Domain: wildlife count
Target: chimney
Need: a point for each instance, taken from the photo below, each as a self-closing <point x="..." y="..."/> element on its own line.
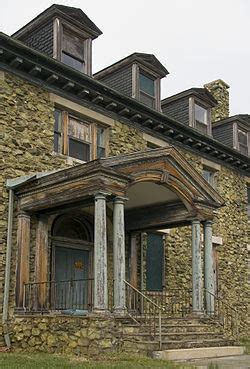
<point x="219" y="90"/>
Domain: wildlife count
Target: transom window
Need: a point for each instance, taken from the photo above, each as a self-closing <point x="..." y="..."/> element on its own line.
<point x="77" y="138"/>
<point x="200" y="118"/>
<point x="146" y="90"/>
<point x="243" y="141"/>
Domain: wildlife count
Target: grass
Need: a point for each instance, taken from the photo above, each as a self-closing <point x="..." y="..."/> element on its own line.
<point x="246" y="342"/>
<point x="49" y="361"/>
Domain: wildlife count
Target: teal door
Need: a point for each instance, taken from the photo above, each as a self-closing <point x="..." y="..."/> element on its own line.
<point x="154" y="262"/>
<point x="71" y="277"/>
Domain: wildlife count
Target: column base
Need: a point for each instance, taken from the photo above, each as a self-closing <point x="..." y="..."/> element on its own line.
<point x="120" y="312"/>
<point x="196" y="313"/>
<point x="100" y="313"/>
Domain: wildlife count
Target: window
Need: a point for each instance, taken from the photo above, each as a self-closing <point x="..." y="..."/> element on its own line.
<point x="154" y="262"/>
<point x="77" y="138"/>
<point x="72" y="52"/>
<point x="242" y="142"/>
<point x="200" y="118"/>
<point x="210" y="176"/>
<point x="146" y="90"/>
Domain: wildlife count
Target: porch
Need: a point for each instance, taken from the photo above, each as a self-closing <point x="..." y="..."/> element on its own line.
<point x="81" y="210"/>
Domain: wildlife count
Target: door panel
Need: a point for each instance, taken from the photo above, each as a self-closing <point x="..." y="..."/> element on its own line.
<point x="154" y="262"/>
<point x="71" y="274"/>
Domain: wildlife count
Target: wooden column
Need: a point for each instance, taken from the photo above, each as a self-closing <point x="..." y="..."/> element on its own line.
<point x="133" y="261"/>
<point x="119" y="256"/>
<point x="197" y="292"/>
<point x="41" y="261"/>
<point x="100" y="256"/>
<point x="209" y="273"/>
<point x="23" y="256"/>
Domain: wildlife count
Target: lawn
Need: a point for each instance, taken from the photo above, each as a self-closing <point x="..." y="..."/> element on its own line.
<point x="48" y="361"/>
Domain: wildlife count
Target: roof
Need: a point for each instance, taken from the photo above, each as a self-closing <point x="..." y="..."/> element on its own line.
<point x="74" y="15"/>
<point x="201" y="93"/>
<point x="148" y="60"/>
<point x="242" y="118"/>
<point x="51" y="75"/>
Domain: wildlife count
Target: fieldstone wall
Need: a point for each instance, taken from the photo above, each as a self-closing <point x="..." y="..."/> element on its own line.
<point x="26" y="144"/>
<point x="124" y="139"/>
<point x="66" y="334"/>
<point x="219" y="90"/>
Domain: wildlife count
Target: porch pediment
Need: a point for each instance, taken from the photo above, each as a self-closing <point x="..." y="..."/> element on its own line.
<point x="115" y="176"/>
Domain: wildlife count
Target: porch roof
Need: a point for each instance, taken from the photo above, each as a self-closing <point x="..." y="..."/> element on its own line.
<point x="115" y="176"/>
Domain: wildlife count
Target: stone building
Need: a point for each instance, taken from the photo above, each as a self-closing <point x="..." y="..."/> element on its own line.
<point x="123" y="216"/>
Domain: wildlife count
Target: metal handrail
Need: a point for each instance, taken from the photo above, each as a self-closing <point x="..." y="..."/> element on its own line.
<point x="159" y="308"/>
<point x="220" y="313"/>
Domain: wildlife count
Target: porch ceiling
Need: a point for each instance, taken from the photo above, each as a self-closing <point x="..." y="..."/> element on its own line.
<point x="163" y="174"/>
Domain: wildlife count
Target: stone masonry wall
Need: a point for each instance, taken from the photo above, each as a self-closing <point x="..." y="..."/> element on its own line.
<point x="26" y="144"/>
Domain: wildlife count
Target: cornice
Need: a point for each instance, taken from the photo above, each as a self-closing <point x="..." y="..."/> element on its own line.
<point x="54" y="76"/>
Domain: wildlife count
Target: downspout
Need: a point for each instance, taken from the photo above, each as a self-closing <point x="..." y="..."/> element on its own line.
<point x="7" y="270"/>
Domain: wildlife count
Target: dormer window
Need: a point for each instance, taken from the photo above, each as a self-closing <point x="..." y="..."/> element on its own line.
<point x="242" y="141"/>
<point x="200" y="118"/>
<point x="146" y="90"/>
<point x="72" y="50"/>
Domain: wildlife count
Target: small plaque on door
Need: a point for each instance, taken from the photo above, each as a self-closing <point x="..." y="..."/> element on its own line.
<point x="78" y="264"/>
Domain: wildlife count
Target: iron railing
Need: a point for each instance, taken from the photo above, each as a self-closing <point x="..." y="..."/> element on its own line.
<point x="222" y="312"/>
<point x="145" y="311"/>
<point x="175" y="302"/>
<point x="74" y="294"/>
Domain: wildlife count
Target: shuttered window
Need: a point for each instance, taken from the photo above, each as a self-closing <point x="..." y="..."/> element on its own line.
<point x="154" y="262"/>
<point x="243" y="142"/>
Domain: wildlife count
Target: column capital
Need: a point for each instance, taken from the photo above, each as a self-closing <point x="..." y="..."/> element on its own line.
<point x="23" y="214"/>
<point x="208" y="223"/>
<point x="120" y="200"/>
<point x="101" y="195"/>
<point x="195" y="221"/>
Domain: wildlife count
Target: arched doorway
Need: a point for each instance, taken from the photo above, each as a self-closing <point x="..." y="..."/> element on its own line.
<point x="72" y="243"/>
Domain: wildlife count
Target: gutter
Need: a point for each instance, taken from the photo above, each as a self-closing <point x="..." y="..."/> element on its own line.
<point x="11" y="185"/>
<point x="7" y="270"/>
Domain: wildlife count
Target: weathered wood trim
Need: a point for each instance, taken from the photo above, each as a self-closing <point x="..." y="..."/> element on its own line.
<point x="23" y="256"/>
<point x="133" y="260"/>
<point x="83" y="111"/>
<point x="41" y="259"/>
<point x="56" y="42"/>
<point x="160" y="216"/>
<point x="65" y="133"/>
<point x="135" y="86"/>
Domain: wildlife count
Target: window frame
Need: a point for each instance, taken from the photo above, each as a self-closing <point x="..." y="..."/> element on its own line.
<point x="93" y="154"/>
<point x="138" y="69"/>
<point x="240" y="127"/>
<point x="213" y="173"/>
<point x="192" y="121"/>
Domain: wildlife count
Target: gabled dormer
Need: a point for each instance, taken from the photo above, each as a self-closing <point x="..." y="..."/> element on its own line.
<point x="64" y="33"/>
<point x="191" y="107"/>
<point x="137" y="76"/>
<point x="234" y="132"/>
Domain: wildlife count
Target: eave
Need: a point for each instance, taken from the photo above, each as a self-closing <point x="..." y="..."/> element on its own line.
<point x="52" y="75"/>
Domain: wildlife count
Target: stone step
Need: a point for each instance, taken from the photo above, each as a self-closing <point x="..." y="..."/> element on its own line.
<point x="174" y="321"/>
<point x="174" y="336"/>
<point x="173" y="328"/>
<point x="199" y="353"/>
<point x="150" y="346"/>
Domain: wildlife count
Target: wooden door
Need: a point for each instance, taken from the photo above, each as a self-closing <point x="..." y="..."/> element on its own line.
<point x="71" y="276"/>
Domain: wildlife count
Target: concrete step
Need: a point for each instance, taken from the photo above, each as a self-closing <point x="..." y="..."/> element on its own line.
<point x="174" y="336"/>
<point x="199" y="353"/>
<point x="150" y="346"/>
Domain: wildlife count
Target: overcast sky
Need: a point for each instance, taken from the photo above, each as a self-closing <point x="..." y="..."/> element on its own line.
<point x="197" y="40"/>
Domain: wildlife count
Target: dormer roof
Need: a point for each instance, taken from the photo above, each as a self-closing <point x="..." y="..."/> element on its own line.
<point x="201" y="93"/>
<point x="74" y="16"/>
<point x="148" y="60"/>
